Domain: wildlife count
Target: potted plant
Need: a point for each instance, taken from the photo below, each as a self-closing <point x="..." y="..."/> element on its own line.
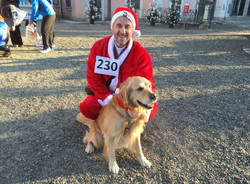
<point x="93" y="11"/>
<point x="173" y="16"/>
<point x="153" y="14"/>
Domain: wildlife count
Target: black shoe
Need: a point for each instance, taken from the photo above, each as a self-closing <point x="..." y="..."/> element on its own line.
<point x="6" y="54"/>
<point x="20" y="45"/>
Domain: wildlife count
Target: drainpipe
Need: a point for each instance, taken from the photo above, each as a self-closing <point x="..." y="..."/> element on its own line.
<point x="102" y="8"/>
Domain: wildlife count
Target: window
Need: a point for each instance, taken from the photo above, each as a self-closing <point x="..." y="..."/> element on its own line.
<point x="68" y="3"/>
<point x="23" y="3"/>
<point x="56" y="2"/>
<point x="99" y="3"/>
<point x="159" y="3"/>
<point x="137" y="4"/>
<point x="133" y="3"/>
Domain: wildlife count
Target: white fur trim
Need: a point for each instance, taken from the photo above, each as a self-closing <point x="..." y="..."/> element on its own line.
<point x="105" y="101"/>
<point x="110" y="47"/>
<point x="124" y="54"/>
<point x="137" y="33"/>
<point x="121" y="13"/>
<point x="122" y="58"/>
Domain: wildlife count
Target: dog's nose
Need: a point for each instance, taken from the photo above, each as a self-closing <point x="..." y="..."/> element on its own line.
<point x="152" y="96"/>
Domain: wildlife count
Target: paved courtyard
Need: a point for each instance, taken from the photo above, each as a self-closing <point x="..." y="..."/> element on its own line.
<point x="201" y="133"/>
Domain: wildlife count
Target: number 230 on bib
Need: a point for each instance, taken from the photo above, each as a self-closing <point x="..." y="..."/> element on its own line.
<point x="107" y="66"/>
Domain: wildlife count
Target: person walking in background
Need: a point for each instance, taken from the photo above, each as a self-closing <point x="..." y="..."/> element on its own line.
<point x="15" y="34"/>
<point x="44" y="7"/>
<point x="39" y="42"/>
<point x="4" y="48"/>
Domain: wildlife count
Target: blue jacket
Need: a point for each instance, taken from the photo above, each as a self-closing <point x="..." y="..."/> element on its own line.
<point x="3" y="33"/>
<point x="43" y="7"/>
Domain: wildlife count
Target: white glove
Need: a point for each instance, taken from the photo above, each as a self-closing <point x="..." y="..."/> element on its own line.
<point x="108" y="98"/>
<point x="105" y="101"/>
<point x="117" y="91"/>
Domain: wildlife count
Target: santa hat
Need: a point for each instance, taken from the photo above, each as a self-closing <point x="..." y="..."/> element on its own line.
<point x="130" y="14"/>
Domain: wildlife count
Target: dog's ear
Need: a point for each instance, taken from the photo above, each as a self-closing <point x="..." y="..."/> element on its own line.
<point x="124" y="91"/>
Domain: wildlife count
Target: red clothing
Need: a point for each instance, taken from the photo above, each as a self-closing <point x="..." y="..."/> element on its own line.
<point x="137" y="63"/>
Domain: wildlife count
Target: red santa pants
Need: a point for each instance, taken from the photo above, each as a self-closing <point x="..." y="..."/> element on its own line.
<point x="90" y="108"/>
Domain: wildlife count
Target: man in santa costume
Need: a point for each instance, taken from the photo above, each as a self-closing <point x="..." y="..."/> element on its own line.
<point x="111" y="61"/>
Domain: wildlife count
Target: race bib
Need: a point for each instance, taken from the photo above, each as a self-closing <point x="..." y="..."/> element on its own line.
<point x="107" y="66"/>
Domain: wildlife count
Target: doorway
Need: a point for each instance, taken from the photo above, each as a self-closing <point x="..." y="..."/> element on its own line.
<point x="238" y="8"/>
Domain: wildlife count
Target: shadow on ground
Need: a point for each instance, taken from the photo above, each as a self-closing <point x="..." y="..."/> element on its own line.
<point x="201" y="133"/>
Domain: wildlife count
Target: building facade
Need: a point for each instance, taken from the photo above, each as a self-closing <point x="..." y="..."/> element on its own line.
<point x="76" y="9"/>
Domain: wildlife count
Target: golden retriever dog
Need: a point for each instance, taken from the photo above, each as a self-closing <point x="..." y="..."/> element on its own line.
<point x="121" y="122"/>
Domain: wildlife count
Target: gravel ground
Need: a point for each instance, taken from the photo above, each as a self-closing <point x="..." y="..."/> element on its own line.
<point x="201" y="133"/>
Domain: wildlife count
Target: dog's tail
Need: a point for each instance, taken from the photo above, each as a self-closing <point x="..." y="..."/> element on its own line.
<point x="82" y="119"/>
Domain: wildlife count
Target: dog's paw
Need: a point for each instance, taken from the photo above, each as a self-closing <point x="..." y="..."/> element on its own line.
<point x="144" y="162"/>
<point x="89" y="148"/>
<point x="114" y="168"/>
<point x="84" y="140"/>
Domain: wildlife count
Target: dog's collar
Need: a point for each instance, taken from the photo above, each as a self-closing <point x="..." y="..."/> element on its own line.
<point x="131" y="112"/>
<point x="121" y="103"/>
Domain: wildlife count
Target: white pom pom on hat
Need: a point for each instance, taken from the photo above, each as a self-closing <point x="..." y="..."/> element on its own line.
<point x="130" y="14"/>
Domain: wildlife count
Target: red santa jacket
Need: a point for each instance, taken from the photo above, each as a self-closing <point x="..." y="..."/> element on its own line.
<point x="137" y="63"/>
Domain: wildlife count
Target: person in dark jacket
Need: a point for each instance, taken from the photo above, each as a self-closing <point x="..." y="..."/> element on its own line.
<point x="15" y="34"/>
<point x="45" y="8"/>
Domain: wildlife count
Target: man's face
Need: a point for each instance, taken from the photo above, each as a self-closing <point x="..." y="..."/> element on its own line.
<point x="122" y="30"/>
